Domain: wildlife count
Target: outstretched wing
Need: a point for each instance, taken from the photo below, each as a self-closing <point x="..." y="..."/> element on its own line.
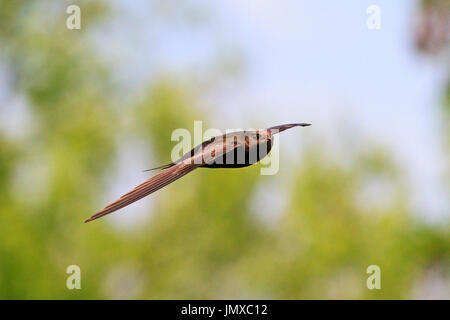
<point x="155" y="183"/>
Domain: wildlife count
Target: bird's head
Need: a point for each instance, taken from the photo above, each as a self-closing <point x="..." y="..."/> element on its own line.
<point x="276" y="129"/>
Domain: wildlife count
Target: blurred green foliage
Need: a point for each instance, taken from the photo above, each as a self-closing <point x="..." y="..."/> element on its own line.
<point x="203" y="240"/>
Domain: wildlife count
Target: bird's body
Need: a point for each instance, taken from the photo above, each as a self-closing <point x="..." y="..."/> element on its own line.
<point x="231" y="150"/>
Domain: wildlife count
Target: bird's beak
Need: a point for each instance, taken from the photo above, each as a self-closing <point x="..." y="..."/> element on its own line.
<point x="283" y="127"/>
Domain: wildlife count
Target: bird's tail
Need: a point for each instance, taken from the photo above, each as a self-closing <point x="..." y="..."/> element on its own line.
<point x="153" y="184"/>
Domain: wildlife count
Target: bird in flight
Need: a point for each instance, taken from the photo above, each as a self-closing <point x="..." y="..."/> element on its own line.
<point x="231" y="150"/>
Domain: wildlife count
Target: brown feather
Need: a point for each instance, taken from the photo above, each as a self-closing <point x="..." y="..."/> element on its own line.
<point x="155" y="183"/>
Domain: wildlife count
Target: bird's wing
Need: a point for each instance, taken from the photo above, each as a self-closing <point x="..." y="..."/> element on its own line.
<point x="164" y="166"/>
<point x="221" y="146"/>
<point x="210" y="150"/>
<point x="155" y="183"/>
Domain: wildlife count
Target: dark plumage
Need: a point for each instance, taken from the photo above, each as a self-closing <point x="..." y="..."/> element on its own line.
<point x="232" y="150"/>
